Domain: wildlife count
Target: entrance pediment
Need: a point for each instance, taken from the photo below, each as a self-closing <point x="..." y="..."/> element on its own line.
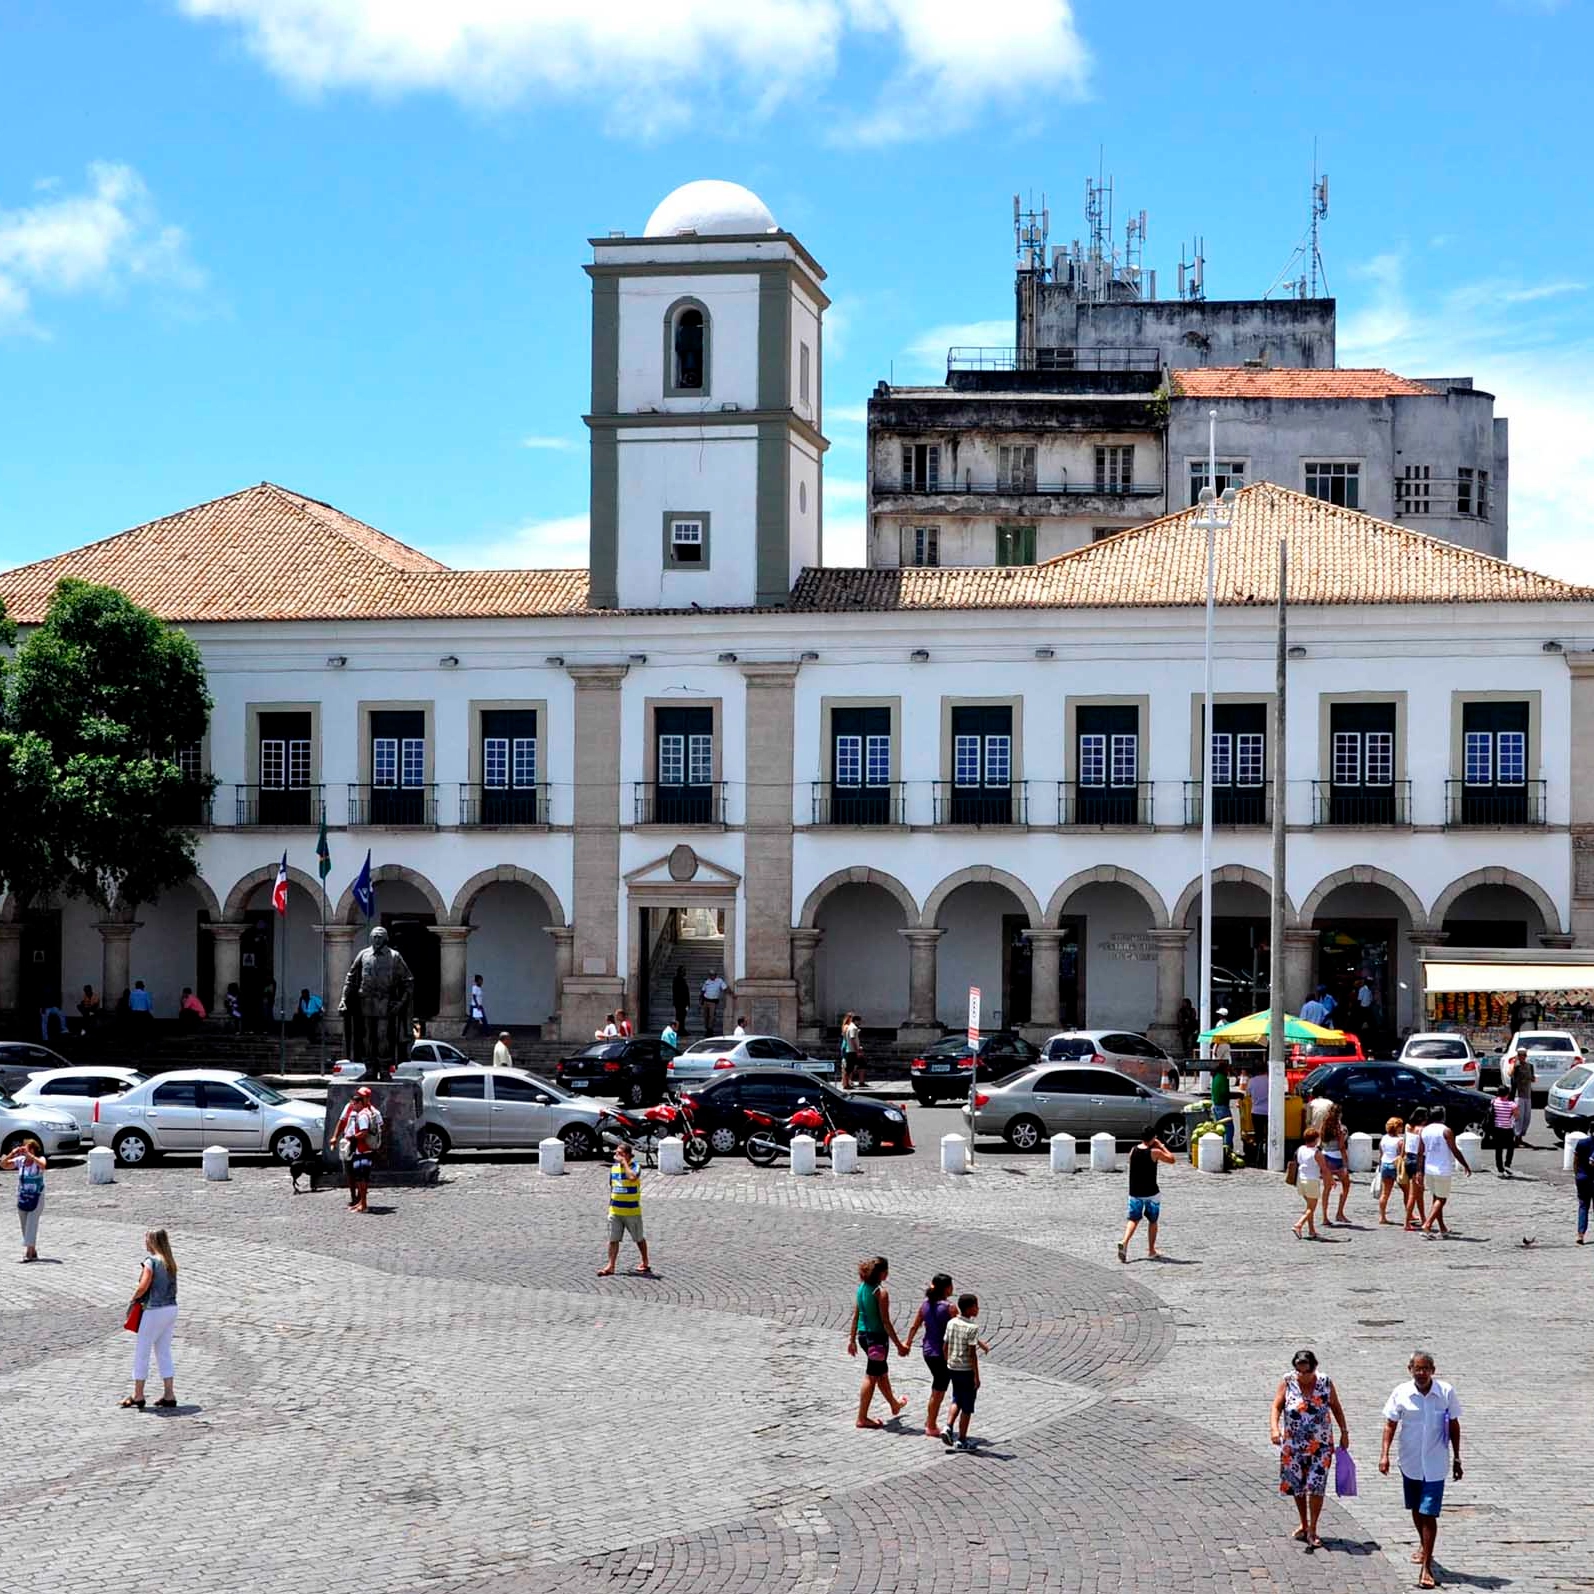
<point x="683" y="867"/>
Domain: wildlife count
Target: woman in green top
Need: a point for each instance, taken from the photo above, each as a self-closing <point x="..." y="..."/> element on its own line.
<point x="872" y="1328"/>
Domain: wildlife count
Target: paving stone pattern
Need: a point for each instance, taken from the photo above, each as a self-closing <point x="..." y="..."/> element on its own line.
<point x="443" y="1396"/>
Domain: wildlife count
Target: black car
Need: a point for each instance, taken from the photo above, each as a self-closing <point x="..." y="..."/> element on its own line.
<point x="941" y="1072"/>
<point x="1370" y="1094"/>
<point x="876" y="1125"/>
<point x="632" y="1070"/>
<point x="21" y="1060"/>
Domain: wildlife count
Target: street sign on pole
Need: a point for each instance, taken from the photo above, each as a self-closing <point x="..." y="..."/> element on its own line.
<point x="974" y="1015"/>
<point x="974" y="1059"/>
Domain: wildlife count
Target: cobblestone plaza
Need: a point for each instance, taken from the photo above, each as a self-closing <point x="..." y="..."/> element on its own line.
<point x="444" y="1396"/>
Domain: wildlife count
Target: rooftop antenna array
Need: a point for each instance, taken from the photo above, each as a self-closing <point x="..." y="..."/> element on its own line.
<point x="1030" y="230"/>
<point x="1193" y="273"/>
<point x="1307" y="254"/>
<point x="1093" y="270"/>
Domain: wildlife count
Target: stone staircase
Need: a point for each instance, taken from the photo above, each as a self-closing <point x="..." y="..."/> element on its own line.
<point x="700" y="957"/>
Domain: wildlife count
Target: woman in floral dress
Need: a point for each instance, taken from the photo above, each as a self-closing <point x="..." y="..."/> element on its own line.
<point x="1304" y="1412"/>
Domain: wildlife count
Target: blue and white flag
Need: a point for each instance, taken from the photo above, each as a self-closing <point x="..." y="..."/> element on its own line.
<point x="364" y="891"/>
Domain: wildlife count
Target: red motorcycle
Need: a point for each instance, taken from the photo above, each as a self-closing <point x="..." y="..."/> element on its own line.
<point x="645" y="1129"/>
<point x="768" y="1140"/>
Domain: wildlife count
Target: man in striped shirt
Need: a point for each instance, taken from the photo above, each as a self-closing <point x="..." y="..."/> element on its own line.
<point x="625" y="1209"/>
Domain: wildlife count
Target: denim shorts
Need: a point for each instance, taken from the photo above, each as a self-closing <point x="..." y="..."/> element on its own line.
<point x="1425" y="1497"/>
<point x="1148" y="1207"/>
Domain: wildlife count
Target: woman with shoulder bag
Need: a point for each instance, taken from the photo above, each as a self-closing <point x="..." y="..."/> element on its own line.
<point x="156" y="1301"/>
<point x="29" y="1166"/>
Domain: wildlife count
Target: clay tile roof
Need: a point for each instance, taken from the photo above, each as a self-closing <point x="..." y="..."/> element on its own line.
<point x="269" y="554"/>
<point x="1243" y="381"/>
<point x="1337" y="556"/>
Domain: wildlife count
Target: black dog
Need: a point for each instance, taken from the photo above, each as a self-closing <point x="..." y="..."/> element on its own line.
<point x="311" y="1165"/>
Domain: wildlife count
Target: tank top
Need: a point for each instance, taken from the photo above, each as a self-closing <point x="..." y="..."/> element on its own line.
<point x="1306" y="1157"/>
<point x="1437" y="1156"/>
<point x="868" y="1303"/>
<point x="936" y="1316"/>
<point x="162" y="1285"/>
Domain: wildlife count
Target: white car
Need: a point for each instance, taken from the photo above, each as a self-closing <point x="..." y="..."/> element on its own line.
<point x="1143" y="1060"/>
<point x="1551" y="1051"/>
<point x="423" y="1058"/>
<point x="198" y="1107"/>
<point x="56" y="1132"/>
<point x="79" y="1090"/>
<point x="717" y="1054"/>
<point x="481" y="1109"/>
<point x="1444" y="1056"/>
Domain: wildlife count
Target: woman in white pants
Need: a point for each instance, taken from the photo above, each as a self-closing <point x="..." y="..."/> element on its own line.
<point x="157" y="1289"/>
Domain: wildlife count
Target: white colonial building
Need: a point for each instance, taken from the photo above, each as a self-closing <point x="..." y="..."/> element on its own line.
<point x="860" y="789"/>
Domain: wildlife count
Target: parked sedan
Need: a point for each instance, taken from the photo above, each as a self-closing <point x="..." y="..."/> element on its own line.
<point x="1448" y="1057"/>
<point x="876" y="1125"/>
<point x="1027" y="1108"/>
<point x="480" y="1109"/>
<point x="719" y="1053"/>
<point x="21" y="1060"/>
<point x="633" y="1071"/>
<point x="1131" y="1054"/>
<point x="942" y="1072"/>
<point x="1369" y="1094"/>
<point x="1551" y="1051"/>
<point x="56" y="1131"/>
<point x="423" y="1058"/>
<point x="1570" y="1107"/>
<point x="198" y="1107"/>
<point x="79" y="1090"/>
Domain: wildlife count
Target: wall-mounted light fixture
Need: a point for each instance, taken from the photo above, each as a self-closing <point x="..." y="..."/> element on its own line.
<point x="336" y="661"/>
<point x="449" y="661"/>
<point x="727" y="658"/>
<point x="920" y="655"/>
<point x="1552" y="646"/>
<point x="557" y="660"/>
<point x="810" y="658"/>
<point x="1296" y="652"/>
<point x="639" y="658"/>
<point x="1046" y="653"/>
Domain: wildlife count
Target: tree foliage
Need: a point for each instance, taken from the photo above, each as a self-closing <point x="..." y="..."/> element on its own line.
<point x="95" y="705"/>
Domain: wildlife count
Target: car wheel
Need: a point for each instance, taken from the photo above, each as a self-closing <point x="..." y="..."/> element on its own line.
<point x="868" y="1140"/>
<point x="431" y="1144"/>
<point x="11" y="1144"/>
<point x="635" y="1094"/>
<point x="1025" y="1134"/>
<point x="290" y="1145"/>
<point x="723" y="1140"/>
<point x="1173" y="1132"/>
<point x="580" y="1142"/>
<point x="132" y="1148"/>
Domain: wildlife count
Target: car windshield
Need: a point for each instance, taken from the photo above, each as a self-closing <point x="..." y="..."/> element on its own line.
<point x="1436" y="1050"/>
<point x="260" y="1090"/>
<point x="1014" y="1078"/>
<point x="1547" y="1043"/>
<point x="1328" y="1049"/>
<point x="1314" y="1080"/>
<point x="603" y="1049"/>
<point x="1070" y="1046"/>
<point x="952" y="1046"/>
<point x="7" y="1101"/>
<point x="1575" y="1077"/>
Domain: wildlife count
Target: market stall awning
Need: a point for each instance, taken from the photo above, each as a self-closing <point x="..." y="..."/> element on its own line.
<point x="1441" y="977"/>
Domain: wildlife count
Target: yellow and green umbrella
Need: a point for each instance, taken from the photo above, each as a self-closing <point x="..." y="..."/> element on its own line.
<point x="1255" y="1030"/>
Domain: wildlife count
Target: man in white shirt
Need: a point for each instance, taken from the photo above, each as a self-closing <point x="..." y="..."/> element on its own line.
<point x="476" y="1009"/>
<point x="1427" y="1413"/>
<point x="1438" y="1156"/>
<point x="501" y="1057"/>
<point x="714" y="989"/>
<point x="740" y="1031"/>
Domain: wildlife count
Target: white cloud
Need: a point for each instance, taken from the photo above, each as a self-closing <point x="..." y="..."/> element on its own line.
<point x="555" y="444"/>
<point x="556" y="544"/>
<point x="846" y="415"/>
<point x="928" y="351"/>
<point x="1513" y="339"/>
<point x="846" y="528"/>
<point x="652" y="67"/>
<point x="102" y="240"/>
<point x="844" y="490"/>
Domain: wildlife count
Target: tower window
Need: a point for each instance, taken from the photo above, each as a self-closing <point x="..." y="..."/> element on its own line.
<point x="686" y="350"/>
<point x="685" y="540"/>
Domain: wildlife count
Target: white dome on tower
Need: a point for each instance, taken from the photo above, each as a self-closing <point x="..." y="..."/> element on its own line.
<point x="710" y="208"/>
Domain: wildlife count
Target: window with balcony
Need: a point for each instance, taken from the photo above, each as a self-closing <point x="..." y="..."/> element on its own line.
<point x="1015" y="468"/>
<point x="509" y="771"/>
<point x="982" y="765"/>
<point x="284" y="796"/>
<point x="1335" y="481"/>
<point x="684" y="787"/>
<point x="1414" y="490"/>
<point x="921" y="546"/>
<point x="1106" y="764"/>
<point x="921" y="467"/>
<point x="398" y="793"/>
<point x="861" y="790"/>
<point x="1115" y="468"/>
<point x="1494" y="787"/>
<point x="1239" y="764"/>
<point x="1015" y="545"/>
<point x="1361" y="787"/>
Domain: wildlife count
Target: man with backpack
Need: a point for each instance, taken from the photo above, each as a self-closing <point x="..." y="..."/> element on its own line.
<point x="359" y="1138"/>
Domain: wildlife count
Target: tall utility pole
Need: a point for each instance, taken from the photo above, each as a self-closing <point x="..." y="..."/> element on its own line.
<point x="1275" y="1035"/>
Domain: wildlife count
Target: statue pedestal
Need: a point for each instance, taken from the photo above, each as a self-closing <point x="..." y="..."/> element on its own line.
<point x="396" y="1162"/>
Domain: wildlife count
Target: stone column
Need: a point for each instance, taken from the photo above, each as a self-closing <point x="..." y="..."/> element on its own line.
<point x="766" y="989"/>
<point x="1173" y="949"/>
<point x="1045" y="993"/>
<point x="451" y="975"/>
<point x="10" y="967"/>
<point x="116" y="958"/>
<point x="1300" y="967"/>
<point x="340" y="939"/>
<point x="564" y="950"/>
<point x="805" y="974"/>
<point x="1580" y="797"/>
<point x="595" y="986"/>
<point x="921" y="1028"/>
<point x="224" y="938"/>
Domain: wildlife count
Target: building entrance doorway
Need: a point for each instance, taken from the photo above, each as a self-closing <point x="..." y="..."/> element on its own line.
<point x="690" y="940"/>
<point x="423" y="952"/>
<point x="41" y="965"/>
<point x="1240" y="966"/>
<point x="1358" y="954"/>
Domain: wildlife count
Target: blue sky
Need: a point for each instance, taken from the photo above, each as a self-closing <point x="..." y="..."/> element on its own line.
<point x="338" y="243"/>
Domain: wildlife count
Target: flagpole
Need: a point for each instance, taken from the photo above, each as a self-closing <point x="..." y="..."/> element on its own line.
<point x="323" y="1031"/>
<point x="282" y="1005"/>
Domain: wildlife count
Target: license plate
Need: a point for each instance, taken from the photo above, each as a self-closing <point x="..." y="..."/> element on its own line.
<point x="578" y="1084"/>
<point x="940" y="1068"/>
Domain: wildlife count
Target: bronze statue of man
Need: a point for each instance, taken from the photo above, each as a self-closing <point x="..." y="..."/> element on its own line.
<point x="375" y="1006"/>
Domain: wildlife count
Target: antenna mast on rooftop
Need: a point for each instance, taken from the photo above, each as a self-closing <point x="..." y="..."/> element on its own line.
<point x="1319" y="211"/>
<point x="1307" y="252"/>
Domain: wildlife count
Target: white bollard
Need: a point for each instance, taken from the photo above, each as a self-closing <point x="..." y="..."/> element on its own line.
<point x="954" y="1154"/>
<point x="1103" y="1153"/>
<point x="1209" y="1154"/>
<point x="102" y="1165"/>
<point x="551" y="1156"/>
<point x="1361" y="1153"/>
<point x="214" y="1159"/>
<point x="672" y="1155"/>
<point x="1063" y="1148"/>
<point x="1568" y="1151"/>
<point x="1471" y="1147"/>
<point x="804" y="1155"/>
<point x="844" y="1154"/>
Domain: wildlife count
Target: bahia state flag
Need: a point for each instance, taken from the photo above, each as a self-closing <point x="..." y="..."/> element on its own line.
<point x="279" y="892"/>
<point x="364" y="891"/>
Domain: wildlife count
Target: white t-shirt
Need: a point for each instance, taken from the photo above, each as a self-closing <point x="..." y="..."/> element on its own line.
<point x="1389" y="1148"/>
<point x="713" y="988"/>
<point x="1413" y="1142"/>
<point x="501" y="1057"/>
<point x="1306" y="1156"/>
<point x="1438" y="1159"/>
<point x="738" y="1033"/>
<point x="1424" y="1428"/>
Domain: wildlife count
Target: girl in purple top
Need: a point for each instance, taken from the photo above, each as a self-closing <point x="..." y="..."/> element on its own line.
<point x="936" y="1311"/>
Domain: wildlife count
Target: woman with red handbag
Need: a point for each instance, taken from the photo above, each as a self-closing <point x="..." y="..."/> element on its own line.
<point x="153" y="1316"/>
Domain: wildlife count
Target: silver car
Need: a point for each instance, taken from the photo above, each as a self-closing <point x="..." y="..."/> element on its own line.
<point x="1132" y="1054"/>
<point x="192" y="1108"/>
<point x="1083" y="1099"/>
<point x="482" y="1109"/>
<point x="717" y="1054"/>
<point x="56" y="1131"/>
<point x="423" y="1058"/>
<point x="79" y="1090"/>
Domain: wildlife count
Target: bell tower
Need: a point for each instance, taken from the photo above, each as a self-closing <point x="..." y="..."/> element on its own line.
<point x="706" y="416"/>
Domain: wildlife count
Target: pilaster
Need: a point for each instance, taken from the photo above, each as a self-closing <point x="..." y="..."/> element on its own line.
<point x="226" y="965"/>
<point x="1173" y="948"/>
<point x="921" y="1028"/>
<point x="1045" y="999"/>
<point x="765" y="988"/>
<point x="338" y="941"/>
<point x="116" y="957"/>
<point x="10" y="967"/>
<point x="805" y="974"/>
<point x="451" y="972"/>
<point x="1300" y="966"/>
<point x="1580" y="798"/>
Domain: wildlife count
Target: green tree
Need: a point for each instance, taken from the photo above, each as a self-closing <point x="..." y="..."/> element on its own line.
<point x="94" y="707"/>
